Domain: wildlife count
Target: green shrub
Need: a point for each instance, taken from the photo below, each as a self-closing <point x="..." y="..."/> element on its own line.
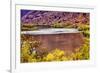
<point x="57" y="25"/>
<point x="29" y="27"/>
<point x="85" y="29"/>
<point x="86" y="33"/>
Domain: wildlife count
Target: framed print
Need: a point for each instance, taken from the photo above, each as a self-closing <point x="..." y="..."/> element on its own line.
<point x="48" y="36"/>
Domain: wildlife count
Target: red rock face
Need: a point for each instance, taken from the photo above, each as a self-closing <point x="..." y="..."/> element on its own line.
<point x="50" y="17"/>
<point x="65" y="41"/>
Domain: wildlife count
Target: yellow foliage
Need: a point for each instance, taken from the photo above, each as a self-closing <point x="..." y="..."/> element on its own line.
<point x="49" y="57"/>
<point x="64" y="58"/>
<point x="56" y="55"/>
<point x="57" y="25"/>
<point x="25" y="53"/>
<point x="81" y="53"/>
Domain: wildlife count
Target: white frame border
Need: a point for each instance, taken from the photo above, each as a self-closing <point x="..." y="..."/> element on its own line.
<point x="56" y="65"/>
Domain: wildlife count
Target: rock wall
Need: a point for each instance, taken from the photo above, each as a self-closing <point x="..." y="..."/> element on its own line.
<point x="66" y="41"/>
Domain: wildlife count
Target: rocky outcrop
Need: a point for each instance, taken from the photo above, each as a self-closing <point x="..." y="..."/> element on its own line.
<point x="34" y="17"/>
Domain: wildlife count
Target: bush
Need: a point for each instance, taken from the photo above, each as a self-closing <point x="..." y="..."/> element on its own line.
<point x="57" y="25"/>
<point x="29" y="27"/>
<point x="86" y="33"/>
<point x="81" y="53"/>
<point x="25" y="53"/>
<point x="56" y="55"/>
<point x="69" y="25"/>
<point x="85" y="29"/>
